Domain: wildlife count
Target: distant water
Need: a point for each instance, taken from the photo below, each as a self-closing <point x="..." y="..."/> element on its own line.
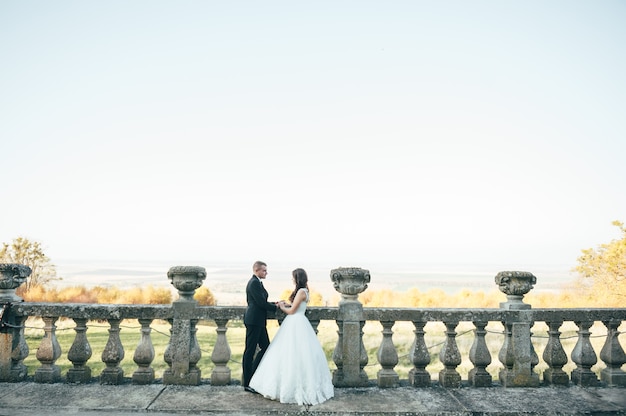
<point x="227" y="281"/>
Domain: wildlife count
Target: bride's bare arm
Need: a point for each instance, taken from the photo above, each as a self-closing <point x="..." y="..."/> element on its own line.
<point x="289" y="310"/>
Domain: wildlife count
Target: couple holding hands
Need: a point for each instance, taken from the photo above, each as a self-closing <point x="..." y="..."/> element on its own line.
<point x="293" y="368"/>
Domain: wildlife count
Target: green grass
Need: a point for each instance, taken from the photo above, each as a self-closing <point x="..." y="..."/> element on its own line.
<point x="403" y="337"/>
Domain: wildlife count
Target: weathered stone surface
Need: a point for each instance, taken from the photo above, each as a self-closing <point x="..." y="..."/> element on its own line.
<point x="538" y="401"/>
<point x="30" y="399"/>
<point x="515" y="284"/>
<point x="350" y="355"/>
<point x="186" y="279"/>
<point x="79" y="354"/>
<point x="350" y="281"/>
<point x="11" y="277"/>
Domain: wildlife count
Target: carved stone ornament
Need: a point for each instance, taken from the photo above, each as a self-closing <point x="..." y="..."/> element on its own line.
<point x="350" y="281"/>
<point x="515" y="285"/>
<point x="186" y="279"/>
<point x="12" y="275"/>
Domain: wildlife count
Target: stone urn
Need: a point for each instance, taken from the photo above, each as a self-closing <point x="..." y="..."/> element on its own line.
<point x="12" y="275"/>
<point x="350" y="281"/>
<point x="515" y="285"/>
<point x="186" y="279"/>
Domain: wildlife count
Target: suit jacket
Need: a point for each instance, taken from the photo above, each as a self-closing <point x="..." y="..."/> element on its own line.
<point x="256" y="296"/>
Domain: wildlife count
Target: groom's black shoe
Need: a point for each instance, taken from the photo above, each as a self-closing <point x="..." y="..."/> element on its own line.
<point x="250" y="390"/>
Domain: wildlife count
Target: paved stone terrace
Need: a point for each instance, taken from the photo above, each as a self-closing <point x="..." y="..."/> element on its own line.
<point x="28" y="399"/>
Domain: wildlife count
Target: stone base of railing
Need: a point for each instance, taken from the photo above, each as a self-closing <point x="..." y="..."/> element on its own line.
<point x="18" y="373"/>
<point x="387" y="378"/>
<point x="556" y="377"/>
<point x="192" y="378"/>
<point x="584" y="378"/>
<point x="613" y="376"/>
<point x="339" y="379"/>
<point x="480" y="378"/>
<point x="144" y="375"/>
<point x="49" y="374"/>
<point x="112" y="376"/>
<point x="79" y="375"/>
<point x="220" y="377"/>
<point x="449" y="378"/>
<point x="510" y="378"/>
<point x="419" y="378"/>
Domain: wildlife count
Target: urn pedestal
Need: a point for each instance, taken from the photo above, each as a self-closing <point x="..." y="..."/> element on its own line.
<point x="14" y="348"/>
<point x="350" y="355"/>
<point x="184" y="348"/>
<point x="517" y="354"/>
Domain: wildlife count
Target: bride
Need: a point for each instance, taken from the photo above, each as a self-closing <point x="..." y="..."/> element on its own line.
<point x="294" y="368"/>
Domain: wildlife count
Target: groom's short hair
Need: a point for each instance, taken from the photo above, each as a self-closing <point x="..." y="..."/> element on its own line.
<point x="257" y="265"/>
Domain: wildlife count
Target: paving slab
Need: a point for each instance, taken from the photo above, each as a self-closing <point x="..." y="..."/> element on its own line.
<point x="32" y="399"/>
<point x="540" y="401"/>
<point x="401" y="400"/>
<point x="69" y="397"/>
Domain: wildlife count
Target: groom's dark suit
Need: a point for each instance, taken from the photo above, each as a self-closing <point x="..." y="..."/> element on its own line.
<point x="255" y="320"/>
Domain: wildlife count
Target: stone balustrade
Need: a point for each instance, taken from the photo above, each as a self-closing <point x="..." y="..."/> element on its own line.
<point x="517" y="353"/>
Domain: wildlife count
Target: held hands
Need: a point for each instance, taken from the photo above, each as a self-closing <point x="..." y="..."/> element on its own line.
<point x="282" y="305"/>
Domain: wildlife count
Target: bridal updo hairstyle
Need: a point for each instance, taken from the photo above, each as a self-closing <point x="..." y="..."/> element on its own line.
<point x="301" y="279"/>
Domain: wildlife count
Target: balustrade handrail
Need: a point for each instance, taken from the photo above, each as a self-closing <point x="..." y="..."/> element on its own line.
<point x="164" y="312"/>
<point x="492" y="314"/>
<point x="137" y="311"/>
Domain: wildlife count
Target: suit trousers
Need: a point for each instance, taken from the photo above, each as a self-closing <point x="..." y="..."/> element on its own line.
<point x="255" y="335"/>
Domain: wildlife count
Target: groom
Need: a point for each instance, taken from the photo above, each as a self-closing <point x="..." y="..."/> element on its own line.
<point x="255" y="320"/>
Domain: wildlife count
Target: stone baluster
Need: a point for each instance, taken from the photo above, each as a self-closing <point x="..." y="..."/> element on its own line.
<point x="450" y="358"/>
<point x="220" y="355"/>
<point x="420" y="357"/>
<point x="20" y="352"/>
<point x="112" y="355"/>
<point x="481" y="357"/>
<point x="144" y="355"/>
<point x="184" y="351"/>
<point x="350" y="281"/>
<point x="79" y="354"/>
<point x="364" y="359"/>
<point x="13" y="347"/>
<point x="534" y="358"/>
<point x="17" y="369"/>
<point x="613" y="356"/>
<point x="314" y="324"/>
<point x="48" y="352"/>
<point x="194" y="352"/>
<point x="167" y="354"/>
<point x="338" y="354"/>
<point x="584" y="356"/>
<point x="505" y="355"/>
<point x="387" y="357"/>
<point x="554" y="355"/>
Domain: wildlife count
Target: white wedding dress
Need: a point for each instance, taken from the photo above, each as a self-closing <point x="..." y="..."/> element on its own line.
<point x="294" y="368"/>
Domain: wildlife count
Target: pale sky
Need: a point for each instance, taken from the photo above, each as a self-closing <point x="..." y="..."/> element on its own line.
<point x="348" y="132"/>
